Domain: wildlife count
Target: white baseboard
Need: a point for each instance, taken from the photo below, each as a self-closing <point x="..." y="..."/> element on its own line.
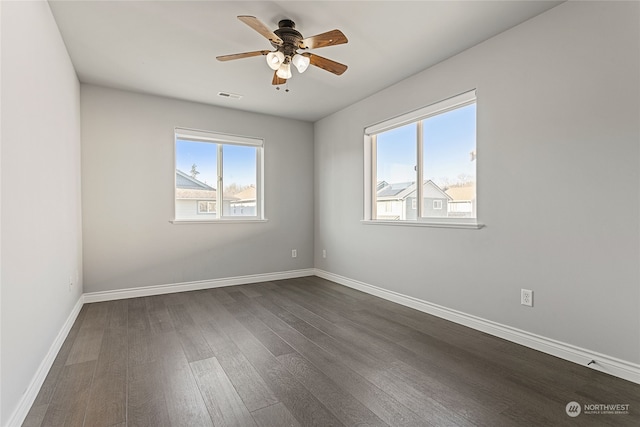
<point x="604" y="363"/>
<point x="146" y="291"/>
<point x="21" y="411"/>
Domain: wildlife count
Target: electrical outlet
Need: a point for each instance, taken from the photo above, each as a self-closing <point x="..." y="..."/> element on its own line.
<point x="324" y="253"/>
<point x="526" y="297"/>
<point x="294" y="253"/>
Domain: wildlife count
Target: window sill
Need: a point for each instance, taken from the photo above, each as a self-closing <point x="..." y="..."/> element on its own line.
<point x="216" y="221"/>
<point x="467" y="225"/>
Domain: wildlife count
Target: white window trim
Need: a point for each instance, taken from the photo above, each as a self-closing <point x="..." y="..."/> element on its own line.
<point x="221" y="139"/>
<point x="229" y="220"/>
<point x="370" y="136"/>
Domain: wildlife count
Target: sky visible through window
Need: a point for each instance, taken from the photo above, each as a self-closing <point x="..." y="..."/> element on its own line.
<point x="239" y="162"/>
<point x="449" y="139"/>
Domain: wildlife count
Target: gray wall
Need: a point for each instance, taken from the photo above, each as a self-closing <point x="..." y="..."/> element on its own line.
<point x="41" y="240"/>
<point x="558" y="122"/>
<point x="127" y="195"/>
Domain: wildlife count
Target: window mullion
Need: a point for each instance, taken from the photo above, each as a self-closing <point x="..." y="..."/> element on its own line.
<point x="420" y="172"/>
<point x="220" y="191"/>
<point x="374" y="177"/>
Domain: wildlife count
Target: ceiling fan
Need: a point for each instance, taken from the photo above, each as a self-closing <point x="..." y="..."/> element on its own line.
<point x="287" y="41"/>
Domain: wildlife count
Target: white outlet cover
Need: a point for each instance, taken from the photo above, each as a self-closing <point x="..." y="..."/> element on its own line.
<point x="526" y="297"/>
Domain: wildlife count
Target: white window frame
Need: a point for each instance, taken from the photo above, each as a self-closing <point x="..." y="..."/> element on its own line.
<point x="370" y="173"/>
<point x="222" y="139"/>
<point x="437" y="205"/>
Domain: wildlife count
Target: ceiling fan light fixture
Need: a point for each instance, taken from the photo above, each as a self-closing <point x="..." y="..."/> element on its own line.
<point x="301" y="62"/>
<point x="275" y="59"/>
<point x="284" y="72"/>
<point x="286" y="41"/>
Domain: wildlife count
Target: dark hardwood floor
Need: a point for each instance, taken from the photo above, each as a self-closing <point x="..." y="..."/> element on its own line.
<point x="305" y="352"/>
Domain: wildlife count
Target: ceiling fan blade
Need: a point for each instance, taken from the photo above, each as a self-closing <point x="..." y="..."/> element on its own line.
<point x="326" y="64"/>
<point x="277" y="80"/>
<point x="330" y="38"/>
<point x="242" y="55"/>
<point x="257" y="25"/>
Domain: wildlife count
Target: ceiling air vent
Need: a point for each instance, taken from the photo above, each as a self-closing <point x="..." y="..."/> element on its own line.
<point x="229" y="95"/>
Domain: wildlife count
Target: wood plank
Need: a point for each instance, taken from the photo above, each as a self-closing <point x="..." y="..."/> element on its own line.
<point x="266" y="336"/>
<point x="185" y="404"/>
<point x="198" y="308"/>
<point x="448" y="389"/>
<point x="302" y="404"/>
<point x="223" y="402"/>
<point x="193" y="342"/>
<point x="352" y="374"/>
<point x="249" y="384"/>
<point x="180" y="317"/>
<point x="118" y="317"/>
<point x="143" y="347"/>
<point x="107" y="402"/>
<point x="69" y="401"/>
<point x="275" y="416"/>
<point x="341" y="403"/>
<point x="220" y="295"/>
<point x="96" y="316"/>
<point x="86" y="346"/>
<point x="271" y="341"/>
<point x="146" y="404"/>
<point x="88" y="341"/>
<point x="35" y="415"/>
<point x="375" y="371"/>
<point x="138" y="316"/>
<point x="250" y="291"/>
<point x="159" y="318"/>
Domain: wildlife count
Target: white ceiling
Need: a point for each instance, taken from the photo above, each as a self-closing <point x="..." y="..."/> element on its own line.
<point x="168" y="48"/>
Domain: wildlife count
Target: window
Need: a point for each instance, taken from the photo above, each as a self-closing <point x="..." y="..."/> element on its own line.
<point x="434" y="146"/>
<point x="218" y="177"/>
<point x="205" y="207"/>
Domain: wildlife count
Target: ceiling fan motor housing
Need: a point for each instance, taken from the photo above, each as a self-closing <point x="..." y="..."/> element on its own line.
<point x="290" y="36"/>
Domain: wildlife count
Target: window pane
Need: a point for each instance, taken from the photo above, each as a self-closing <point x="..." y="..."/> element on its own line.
<point x="196" y="178"/>
<point x="449" y="166"/>
<point x="396" y="173"/>
<point x="239" y="178"/>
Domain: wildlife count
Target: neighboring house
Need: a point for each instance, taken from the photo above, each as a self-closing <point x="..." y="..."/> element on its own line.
<point x="195" y="199"/>
<point x="398" y="201"/>
<point x="391" y="200"/>
<point x="463" y="200"/>
<point x="244" y="203"/>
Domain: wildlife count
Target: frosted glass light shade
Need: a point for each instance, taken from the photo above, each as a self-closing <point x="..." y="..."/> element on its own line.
<point x="301" y="62"/>
<point x="275" y="59"/>
<point x="284" y="72"/>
